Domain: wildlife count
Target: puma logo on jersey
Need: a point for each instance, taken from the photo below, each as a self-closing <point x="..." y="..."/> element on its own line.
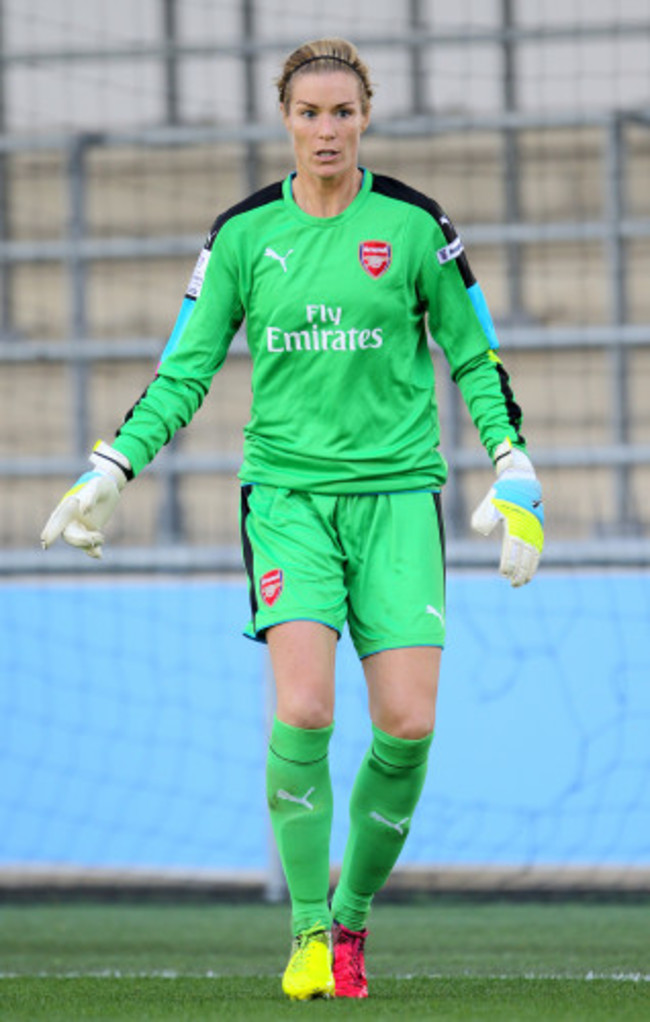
<point x="271" y="254"/>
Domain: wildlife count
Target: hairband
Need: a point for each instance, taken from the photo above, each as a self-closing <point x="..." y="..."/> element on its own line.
<point x="325" y="56"/>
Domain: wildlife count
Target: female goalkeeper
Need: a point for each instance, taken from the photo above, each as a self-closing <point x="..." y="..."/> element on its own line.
<point x="337" y="272"/>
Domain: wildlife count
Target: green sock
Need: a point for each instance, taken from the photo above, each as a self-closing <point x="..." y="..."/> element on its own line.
<point x="385" y="794"/>
<point x="299" y="793"/>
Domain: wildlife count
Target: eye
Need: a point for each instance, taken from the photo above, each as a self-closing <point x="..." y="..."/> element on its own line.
<point x="307" y="114"/>
<point x="344" y="113"/>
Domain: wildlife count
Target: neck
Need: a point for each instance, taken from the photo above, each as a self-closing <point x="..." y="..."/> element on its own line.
<point x="326" y="198"/>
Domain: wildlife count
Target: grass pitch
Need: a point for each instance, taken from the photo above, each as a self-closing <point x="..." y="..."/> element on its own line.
<point x="439" y="960"/>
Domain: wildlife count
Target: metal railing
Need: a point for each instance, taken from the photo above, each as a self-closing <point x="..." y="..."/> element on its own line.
<point x="77" y="249"/>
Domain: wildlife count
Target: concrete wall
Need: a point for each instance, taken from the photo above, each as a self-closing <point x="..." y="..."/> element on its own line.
<point x="567" y="396"/>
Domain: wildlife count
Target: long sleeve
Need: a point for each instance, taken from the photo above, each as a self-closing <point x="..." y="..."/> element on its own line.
<point x="209" y="317"/>
<point x="461" y="325"/>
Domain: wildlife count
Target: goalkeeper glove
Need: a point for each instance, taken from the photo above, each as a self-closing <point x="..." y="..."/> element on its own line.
<point x="516" y="500"/>
<point x="84" y="510"/>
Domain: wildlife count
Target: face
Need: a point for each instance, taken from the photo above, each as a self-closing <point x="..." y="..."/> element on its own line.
<point x="326" y="121"/>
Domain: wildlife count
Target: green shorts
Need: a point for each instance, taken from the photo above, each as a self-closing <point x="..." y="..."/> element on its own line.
<point x="376" y="561"/>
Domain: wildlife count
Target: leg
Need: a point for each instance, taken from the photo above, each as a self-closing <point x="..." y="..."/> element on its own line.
<point x="298" y="777"/>
<point x="298" y="604"/>
<point x="299" y="793"/>
<point x="396" y="615"/>
<point x="402" y="686"/>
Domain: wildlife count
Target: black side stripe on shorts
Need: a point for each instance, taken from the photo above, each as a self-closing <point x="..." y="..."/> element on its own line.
<point x="437" y="500"/>
<point x="247" y="550"/>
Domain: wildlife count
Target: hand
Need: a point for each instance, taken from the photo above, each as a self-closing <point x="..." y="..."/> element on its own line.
<point x="516" y="500"/>
<point x="84" y="510"/>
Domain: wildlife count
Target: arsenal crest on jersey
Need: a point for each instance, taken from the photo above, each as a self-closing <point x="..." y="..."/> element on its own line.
<point x="271" y="585"/>
<point x="375" y="257"/>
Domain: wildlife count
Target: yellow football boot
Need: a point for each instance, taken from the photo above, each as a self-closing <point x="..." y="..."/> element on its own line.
<point x="309" y="972"/>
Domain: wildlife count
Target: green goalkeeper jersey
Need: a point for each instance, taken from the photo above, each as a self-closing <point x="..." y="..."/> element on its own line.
<point x="336" y="311"/>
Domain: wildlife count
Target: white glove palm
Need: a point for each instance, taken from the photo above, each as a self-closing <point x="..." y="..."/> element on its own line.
<point x="516" y="500"/>
<point x="84" y="510"/>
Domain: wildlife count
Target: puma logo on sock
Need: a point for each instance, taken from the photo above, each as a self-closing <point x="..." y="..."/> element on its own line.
<point x="303" y="801"/>
<point x="399" y="827"/>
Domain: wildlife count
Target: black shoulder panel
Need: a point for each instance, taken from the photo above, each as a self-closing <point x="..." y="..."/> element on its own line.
<point x="271" y="193"/>
<point x="394" y="189"/>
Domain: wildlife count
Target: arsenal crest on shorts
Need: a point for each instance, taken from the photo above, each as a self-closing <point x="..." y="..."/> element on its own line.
<point x="375" y="257"/>
<point x="271" y="585"/>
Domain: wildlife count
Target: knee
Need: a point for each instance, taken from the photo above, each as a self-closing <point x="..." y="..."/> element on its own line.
<point x="411" y="732"/>
<point x="307" y="714"/>
<point x="307" y="721"/>
<point x="407" y="724"/>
